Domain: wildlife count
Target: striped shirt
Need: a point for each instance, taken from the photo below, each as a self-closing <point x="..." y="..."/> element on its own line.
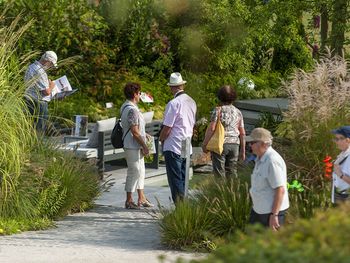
<point x="36" y="80"/>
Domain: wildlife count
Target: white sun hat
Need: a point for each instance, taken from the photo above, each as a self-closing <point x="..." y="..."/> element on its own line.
<point x="176" y="79"/>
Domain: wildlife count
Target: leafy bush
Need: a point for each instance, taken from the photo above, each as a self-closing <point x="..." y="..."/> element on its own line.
<point x="320" y="239"/>
<point x="67" y="183"/>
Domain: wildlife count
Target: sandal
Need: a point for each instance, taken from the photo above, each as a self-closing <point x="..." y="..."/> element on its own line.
<point x="145" y="203"/>
<point x="131" y="205"/>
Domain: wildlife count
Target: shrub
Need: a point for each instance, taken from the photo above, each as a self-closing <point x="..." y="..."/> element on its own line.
<point x="37" y="181"/>
<point x="320" y="239"/>
<point x="186" y="225"/>
<point x="16" y="134"/>
<point x="318" y="103"/>
<point x="217" y="210"/>
<point x="67" y="183"/>
<point x="228" y="202"/>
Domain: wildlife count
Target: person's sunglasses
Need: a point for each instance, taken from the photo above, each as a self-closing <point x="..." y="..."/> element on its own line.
<point x="252" y="142"/>
<point x="336" y="139"/>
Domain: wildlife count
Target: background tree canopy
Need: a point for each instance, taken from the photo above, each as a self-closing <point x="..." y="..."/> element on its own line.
<point x="211" y="42"/>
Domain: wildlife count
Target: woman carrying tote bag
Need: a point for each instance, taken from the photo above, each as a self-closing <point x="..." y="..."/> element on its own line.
<point x="225" y="164"/>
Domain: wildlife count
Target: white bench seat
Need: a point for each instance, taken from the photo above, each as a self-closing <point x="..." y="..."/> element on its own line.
<point x="83" y="151"/>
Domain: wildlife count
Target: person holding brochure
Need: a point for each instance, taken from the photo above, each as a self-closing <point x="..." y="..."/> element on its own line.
<point x="38" y="86"/>
<point x="341" y="171"/>
<point x="135" y="147"/>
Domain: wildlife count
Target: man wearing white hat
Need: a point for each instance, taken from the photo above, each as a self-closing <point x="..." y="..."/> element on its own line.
<point x="268" y="181"/>
<point x="39" y="85"/>
<point x="178" y="123"/>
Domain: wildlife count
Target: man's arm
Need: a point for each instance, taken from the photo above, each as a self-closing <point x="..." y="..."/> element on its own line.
<point x="49" y="89"/>
<point x="277" y="201"/>
<point x="164" y="133"/>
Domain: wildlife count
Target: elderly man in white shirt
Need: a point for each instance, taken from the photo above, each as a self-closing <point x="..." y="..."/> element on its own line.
<point x="178" y="123"/>
<point x="268" y="190"/>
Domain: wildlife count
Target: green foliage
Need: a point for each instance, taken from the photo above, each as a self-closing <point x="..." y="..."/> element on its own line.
<point x="37" y="182"/>
<point x="51" y="200"/>
<point x="186" y="225"/>
<point x="139" y="36"/>
<point x="67" y="184"/>
<point x="320" y="239"/>
<point x="315" y="108"/>
<point x="17" y="225"/>
<point x="270" y="121"/>
<point x="78" y="104"/>
<point x="217" y="210"/>
<point x="304" y="204"/>
<point x="83" y="34"/>
<point x="16" y="134"/>
<point x="228" y="202"/>
<point x="203" y="88"/>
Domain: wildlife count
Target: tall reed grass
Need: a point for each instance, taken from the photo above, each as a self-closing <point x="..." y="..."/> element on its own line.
<point x="16" y="133"/>
<point x="319" y="102"/>
<point x="37" y="181"/>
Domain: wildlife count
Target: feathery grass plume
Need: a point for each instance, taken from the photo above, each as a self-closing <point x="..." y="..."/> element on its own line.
<point x="318" y="102"/>
<point x="16" y="134"/>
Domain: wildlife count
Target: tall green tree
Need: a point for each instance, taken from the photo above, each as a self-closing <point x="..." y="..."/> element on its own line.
<point x="339" y="25"/>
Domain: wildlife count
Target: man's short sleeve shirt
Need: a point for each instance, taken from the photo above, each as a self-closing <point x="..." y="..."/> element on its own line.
<point x="269" y="173"/>
<point x="180" y="115"/>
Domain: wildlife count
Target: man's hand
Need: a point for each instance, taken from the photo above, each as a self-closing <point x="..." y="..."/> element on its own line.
<point x="51" y="84"/>
<point x="50" y="88"/>
<point x="164" y="133"/>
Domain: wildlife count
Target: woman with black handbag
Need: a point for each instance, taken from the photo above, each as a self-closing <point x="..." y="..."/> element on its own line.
<point x="135" y="148"/>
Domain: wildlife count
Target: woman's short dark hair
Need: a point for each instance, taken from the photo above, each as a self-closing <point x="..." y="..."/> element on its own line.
<point x="227" y="94"/>
<point x="131" y="89"/>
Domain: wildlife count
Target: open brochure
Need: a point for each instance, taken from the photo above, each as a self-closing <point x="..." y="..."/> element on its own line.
<point x="146" y="97"/>
<point x="150" y="142"/>
<point x="62" y="89"/>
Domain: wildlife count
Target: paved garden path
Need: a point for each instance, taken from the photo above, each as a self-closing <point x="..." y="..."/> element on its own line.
<point x="107" y="233"/>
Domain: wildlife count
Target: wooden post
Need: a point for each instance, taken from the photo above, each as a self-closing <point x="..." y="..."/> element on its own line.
<point x="186" y="153"/>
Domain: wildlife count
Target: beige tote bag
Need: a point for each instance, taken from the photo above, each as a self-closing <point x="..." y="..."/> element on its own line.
<point x="216" y="142"/>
